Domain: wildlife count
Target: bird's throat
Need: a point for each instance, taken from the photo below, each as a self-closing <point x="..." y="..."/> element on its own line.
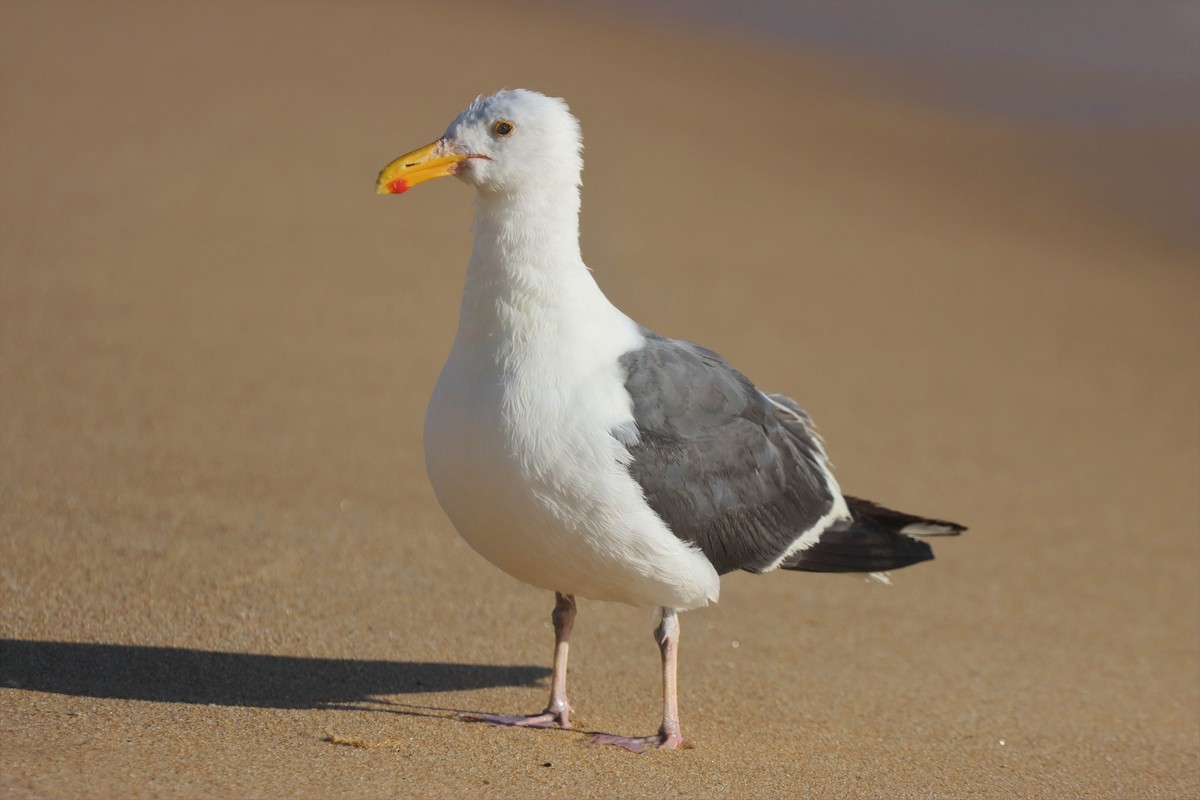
<point x="526" y="277"/>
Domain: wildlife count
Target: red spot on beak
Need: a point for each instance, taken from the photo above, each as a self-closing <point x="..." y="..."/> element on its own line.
<point x="398" y="186"/>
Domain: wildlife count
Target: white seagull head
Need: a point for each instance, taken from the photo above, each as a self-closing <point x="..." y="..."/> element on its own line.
<point x="511" y="142"/>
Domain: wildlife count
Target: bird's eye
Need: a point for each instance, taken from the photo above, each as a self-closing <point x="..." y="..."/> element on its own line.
<point x="502" y="128"/>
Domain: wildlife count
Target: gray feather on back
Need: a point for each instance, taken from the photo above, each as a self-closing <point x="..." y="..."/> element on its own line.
<point x="726" y="468"/>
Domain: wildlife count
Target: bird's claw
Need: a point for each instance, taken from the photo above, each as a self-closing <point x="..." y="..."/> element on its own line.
<point x="640" y="744"/>
<point x="548" y="719"/>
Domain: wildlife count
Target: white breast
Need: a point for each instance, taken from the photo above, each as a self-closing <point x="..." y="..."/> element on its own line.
<point x="520" y="450"/>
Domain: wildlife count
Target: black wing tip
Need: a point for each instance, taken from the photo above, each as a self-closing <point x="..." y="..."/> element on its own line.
<point x="857" y="550"/>
<point x="875" y="539"/>
<point x="901" y="522"/>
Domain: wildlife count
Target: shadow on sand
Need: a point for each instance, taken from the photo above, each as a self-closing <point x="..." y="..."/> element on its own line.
<point x="176" y="675"/>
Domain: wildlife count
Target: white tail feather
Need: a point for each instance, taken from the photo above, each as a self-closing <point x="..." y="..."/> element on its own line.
<point x="929" y="529"/>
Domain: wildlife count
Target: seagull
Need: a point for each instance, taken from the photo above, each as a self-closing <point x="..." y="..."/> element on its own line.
<point x="584" y="454"/>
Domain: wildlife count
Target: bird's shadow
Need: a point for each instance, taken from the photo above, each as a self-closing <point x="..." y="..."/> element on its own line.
<point x="182" y="675"/>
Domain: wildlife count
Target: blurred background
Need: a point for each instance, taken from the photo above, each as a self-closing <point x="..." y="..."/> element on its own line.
<point x="1092" y="77"/>
<point x="963" y="234"/>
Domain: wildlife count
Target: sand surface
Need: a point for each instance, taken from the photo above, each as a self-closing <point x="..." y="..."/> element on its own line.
<point x="222" y="570"/>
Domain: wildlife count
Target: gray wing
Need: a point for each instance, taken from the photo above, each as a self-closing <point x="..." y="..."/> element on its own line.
<point x="723" y="465"/>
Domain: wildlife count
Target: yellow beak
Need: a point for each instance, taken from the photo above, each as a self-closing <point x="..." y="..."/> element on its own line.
<point x="429" y="162"/>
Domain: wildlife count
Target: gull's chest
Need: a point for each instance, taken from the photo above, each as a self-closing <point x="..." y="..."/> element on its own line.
<point x="519" y="436"/>
<point x="536" y="412"/>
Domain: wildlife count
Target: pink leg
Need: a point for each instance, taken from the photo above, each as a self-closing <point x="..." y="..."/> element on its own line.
<point x="558" y="712"/>
<point x="670" y="736"/>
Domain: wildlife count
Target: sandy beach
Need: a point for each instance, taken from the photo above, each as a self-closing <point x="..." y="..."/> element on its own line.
<point x="223" y="572"/>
